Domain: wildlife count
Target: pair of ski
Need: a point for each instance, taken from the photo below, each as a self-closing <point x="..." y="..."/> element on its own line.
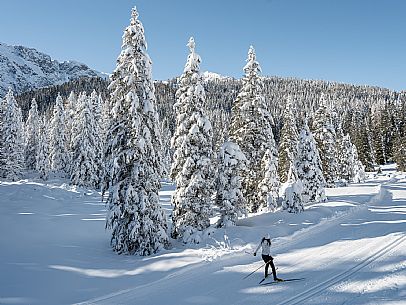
<point x="276" y="282"/>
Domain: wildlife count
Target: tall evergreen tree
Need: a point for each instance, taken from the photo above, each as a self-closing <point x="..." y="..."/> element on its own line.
<point x="387" y="129"/>
<point x="12" y="139"/>
<point x="292" y="200"/>
<point x="358" y="169"/>
<point x="341" y="144"/>
<point x="85" y="169"/>
<point x="32" y="136"/>
<point x="288" y="141"/>
<point x="105" y="120"/>
<point x="362" y="139"/>
<point x="3" y="108"/>
<point x="96" y="103"/>
<point x="134" y="168"/>
<point x="104" y="125"/>
<point x="325" y="136"/>
<point x="70" y="117"/>
<point x="193" y="153"/>
<point x="167" y="150"/>
<point x="43" y="164"/>
<point x="230" y="200"/>
<point x="269" y="186"/>
<point x="251" y="129"/>
<point x="309" y="167"/>
<point x="57" y="139"/>
<point x="345" y="158"/>
<point x="378" y="141"/>
<point x="400" y="152"/>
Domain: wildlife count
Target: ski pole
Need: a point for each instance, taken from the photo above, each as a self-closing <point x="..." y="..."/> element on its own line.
<point x="254" y="271"/>
<point x="258" y="269"/>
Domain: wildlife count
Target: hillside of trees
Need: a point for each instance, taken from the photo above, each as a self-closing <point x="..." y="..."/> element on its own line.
<point x="373" y="117"/>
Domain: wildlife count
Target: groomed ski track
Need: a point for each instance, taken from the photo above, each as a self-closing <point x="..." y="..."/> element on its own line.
<point x="331" y="256"/>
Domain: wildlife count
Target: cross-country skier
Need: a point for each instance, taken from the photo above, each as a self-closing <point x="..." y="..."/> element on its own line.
<point x="265" y="244"/>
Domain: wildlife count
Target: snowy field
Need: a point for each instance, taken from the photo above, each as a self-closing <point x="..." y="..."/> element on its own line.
<point x="350" y="250"/>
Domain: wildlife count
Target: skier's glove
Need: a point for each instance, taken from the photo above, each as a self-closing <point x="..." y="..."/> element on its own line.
<point x="255" y="254"/>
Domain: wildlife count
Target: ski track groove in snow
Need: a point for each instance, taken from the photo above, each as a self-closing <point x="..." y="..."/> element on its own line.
<point x="184" y="275"/>
<point x="307" y="294"/>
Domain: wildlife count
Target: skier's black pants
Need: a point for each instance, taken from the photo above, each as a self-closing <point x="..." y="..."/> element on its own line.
<point x="269" y="261"/>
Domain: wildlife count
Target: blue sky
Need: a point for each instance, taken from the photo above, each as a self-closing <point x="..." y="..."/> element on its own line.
<point x="352" y="41"/>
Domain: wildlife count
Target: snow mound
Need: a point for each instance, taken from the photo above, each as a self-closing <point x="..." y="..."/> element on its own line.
<point x="382" y="195"/>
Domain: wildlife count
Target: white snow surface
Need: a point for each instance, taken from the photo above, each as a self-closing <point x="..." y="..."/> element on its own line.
<point x="350" y="250"/>
<point x="24" y="69"/>
<point x="212" y="76"/>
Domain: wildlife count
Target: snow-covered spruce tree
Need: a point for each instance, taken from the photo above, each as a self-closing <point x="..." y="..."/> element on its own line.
<point x="325" y="136"/>
<point x="167" y="150"/>
<point x="2" y="114"/>
<point x="12" y="162"/>
<point x="85" y="169"/>
<point x="345" y="158"/>
<point x="70" y="117"/>
<point x="399" y="149"/>
<point x="251" y="130"/>
<point x="104" y="126"/>
<point x="134" y="168"/>
<point x="193" y="153"/>
<point x="342" y="163"/>
<point x="57" y="139"/>
<point x="400" y="152"/>
<point x="378" y="127"/>
<point x="105" y="122"/>
<point x="385" y="129"/>
<point x="309" y="168"/>
<point x="32" y="136"/>
<point x="345" y="155"/>
<point x="357" y="168"/>
<point x="362" y="139"/>
<point x="288" y="141"/>
<point x="269" y="186"/>
<point x="230" y="200"/>
<point x="42" y="161"/>
<point x="292" y="200"/>
<point x="96" y="103"/>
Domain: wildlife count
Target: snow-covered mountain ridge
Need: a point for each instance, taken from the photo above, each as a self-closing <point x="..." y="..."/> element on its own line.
<point x="24" y="69"/>
<point x="212" y="76"/>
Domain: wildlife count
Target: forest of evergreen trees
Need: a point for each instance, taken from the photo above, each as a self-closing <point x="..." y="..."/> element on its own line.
<point x="373" y="117"/>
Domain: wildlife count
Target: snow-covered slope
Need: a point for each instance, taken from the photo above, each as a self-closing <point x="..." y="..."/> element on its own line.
<point x="23" y="69"/>
<point x="350" y="250"/>
<point x="212" y="76"/>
